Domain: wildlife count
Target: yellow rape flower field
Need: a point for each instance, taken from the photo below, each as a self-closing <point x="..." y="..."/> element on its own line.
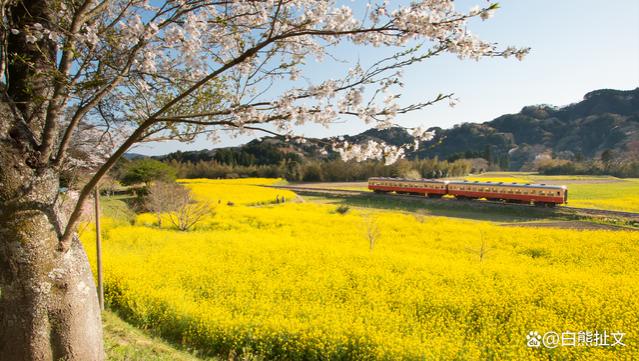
<point x="248" y="191"/>
<point x="300" y="281"/>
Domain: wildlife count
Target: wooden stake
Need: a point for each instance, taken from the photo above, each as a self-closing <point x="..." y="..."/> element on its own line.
<point x="98" y="247"/>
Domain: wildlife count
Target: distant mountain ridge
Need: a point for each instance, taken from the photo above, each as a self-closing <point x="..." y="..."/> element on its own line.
<point x="605" y="120"/>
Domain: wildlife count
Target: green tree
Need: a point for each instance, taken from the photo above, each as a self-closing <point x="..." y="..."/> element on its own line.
<point x="146" y="171"/>
<point x="608" y="155"/>
<point x="294" y="171"/>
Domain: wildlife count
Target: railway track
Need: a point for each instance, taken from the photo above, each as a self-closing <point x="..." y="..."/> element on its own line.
<point x="557" y="210"/>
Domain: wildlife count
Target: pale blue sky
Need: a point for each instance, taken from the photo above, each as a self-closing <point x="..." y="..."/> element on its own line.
<point x="577" y="46"/>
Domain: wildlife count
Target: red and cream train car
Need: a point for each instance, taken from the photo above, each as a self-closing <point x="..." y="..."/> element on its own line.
<point x="426" y="187"/>
<point x="538" y="194"/>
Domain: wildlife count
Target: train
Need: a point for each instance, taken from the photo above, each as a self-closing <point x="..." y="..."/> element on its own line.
<point x="524" y="193"/>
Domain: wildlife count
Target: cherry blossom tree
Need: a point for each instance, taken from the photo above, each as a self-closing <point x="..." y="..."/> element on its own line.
<point x="87" y="72"/>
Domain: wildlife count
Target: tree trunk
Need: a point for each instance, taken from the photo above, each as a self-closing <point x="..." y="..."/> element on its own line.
<point x="48" y="301"/>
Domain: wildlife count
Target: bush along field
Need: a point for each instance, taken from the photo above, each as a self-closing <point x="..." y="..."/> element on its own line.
<point x="305" y="281"/>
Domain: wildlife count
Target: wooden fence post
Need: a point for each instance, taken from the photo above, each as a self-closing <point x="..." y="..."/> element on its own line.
<point x="98" y="247"/>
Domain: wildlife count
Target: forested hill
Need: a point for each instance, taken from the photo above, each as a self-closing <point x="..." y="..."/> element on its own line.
<point x="605" y="120"/>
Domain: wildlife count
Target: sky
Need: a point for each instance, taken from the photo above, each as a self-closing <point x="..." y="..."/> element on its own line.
<point x="576" y="46"/>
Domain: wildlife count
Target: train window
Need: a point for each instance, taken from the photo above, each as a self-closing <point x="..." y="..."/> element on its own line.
<point x="557" y="193"/>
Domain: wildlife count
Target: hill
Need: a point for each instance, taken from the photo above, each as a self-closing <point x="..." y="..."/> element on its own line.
<point x="605" y="120"/>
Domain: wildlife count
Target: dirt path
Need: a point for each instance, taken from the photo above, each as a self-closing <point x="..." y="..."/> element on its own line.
<point x="575" y="225"/>
<point x="332" y="185"/>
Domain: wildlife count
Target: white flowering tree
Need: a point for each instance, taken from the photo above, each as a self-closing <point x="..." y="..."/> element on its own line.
<point x="81" y="72"/>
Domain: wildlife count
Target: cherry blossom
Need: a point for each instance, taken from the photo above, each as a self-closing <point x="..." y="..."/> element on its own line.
<point x="162" y="70"/>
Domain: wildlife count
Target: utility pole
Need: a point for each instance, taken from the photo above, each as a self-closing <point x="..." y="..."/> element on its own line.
<point x="98" y="247"/>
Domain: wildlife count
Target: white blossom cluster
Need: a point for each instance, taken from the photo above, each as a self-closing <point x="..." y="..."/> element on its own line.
<point x="371" y="149"/>
<point x="90" y="147"/>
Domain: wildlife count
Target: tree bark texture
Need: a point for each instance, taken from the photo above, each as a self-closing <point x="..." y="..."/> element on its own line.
<point x="48" y="301"/>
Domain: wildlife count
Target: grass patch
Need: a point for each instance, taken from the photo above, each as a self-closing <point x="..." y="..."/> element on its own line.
<point x="117" y="207"/>
<point x="474" y="210"/>
<point x="123" y="342"/>
<point x="622" y="195"/>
